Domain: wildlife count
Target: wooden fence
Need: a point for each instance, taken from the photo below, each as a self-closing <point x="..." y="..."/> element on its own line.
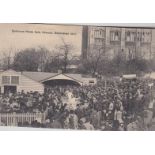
<point x="12" y="119"/>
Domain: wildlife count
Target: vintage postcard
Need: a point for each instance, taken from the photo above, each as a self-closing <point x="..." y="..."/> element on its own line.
<point x="77" y="77"/>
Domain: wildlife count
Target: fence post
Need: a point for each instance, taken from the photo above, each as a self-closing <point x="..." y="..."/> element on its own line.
<point x="43" y="117"/>
<point x="0" y="119"/>
<point x="7" y="119"/>
<point x="14" y="119"/>
<point x="22" y="119"/>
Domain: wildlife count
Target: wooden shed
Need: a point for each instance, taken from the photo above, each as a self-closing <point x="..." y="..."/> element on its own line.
<point x="12" y="81"/>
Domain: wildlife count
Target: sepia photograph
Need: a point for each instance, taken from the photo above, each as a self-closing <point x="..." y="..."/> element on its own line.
<point x="77" y="77"/>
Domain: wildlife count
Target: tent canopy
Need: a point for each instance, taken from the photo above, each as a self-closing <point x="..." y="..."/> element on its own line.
<point x="129" y="76"/>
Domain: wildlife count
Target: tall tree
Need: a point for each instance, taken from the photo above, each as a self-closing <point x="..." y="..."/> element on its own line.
<point x="44" y="57"/>
<point x="95" y="57"/>
<point x="7" y="58"/>
<point x="64" y="54"/>
<point x="31" y="59"/>
<point x="27" y="60"/>
<point x="60" y="57"/>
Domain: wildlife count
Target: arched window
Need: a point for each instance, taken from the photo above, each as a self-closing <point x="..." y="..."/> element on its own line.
<point x="128" y="36"/>
<point x="116" y="36"/>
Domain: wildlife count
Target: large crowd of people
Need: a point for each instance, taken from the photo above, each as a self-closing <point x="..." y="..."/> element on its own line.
<point x="110" y="105"/>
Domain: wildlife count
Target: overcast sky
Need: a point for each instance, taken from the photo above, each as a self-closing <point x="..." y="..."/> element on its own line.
<point x="20" y="36"/>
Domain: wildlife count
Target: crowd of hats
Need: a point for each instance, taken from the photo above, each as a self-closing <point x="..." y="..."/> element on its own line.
<point x="110" y="106"/>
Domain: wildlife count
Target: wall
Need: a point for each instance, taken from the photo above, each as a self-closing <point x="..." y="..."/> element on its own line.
<point x="28" y="85"/>
<point x="86" y="81"/>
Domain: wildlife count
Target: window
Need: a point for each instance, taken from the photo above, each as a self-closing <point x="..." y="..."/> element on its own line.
<point x="15" y="80"/>
<point x="116" y="33"/>
<point x="10" y="79"/>
<point x="91" y="81"/>
<point x="5" y="79"/>
<point x="133" y="37"/>
<point x="115" y="36"/>
<point x="96" y="40"/>
<point x="128" y="33"/>
<point x="112" y="36"/>
<point x="131" y="54"/>
<point x="128" y="36"/>
<point x="98" y="33"/>
<point x="99" y="41"/>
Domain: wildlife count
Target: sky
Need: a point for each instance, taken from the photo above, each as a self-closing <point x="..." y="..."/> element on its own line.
<point x="14" y="37"/>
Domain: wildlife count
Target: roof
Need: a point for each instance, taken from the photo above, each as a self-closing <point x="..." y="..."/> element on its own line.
<point x="10" y="71"/>
<point x="61" y="76"/>
<point x="41" y="76"/>
<point x="38" y="76"/>
<point x="75" y="76"/>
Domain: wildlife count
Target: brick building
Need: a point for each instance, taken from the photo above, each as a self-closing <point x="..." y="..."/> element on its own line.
<point x="126" y="41"/>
